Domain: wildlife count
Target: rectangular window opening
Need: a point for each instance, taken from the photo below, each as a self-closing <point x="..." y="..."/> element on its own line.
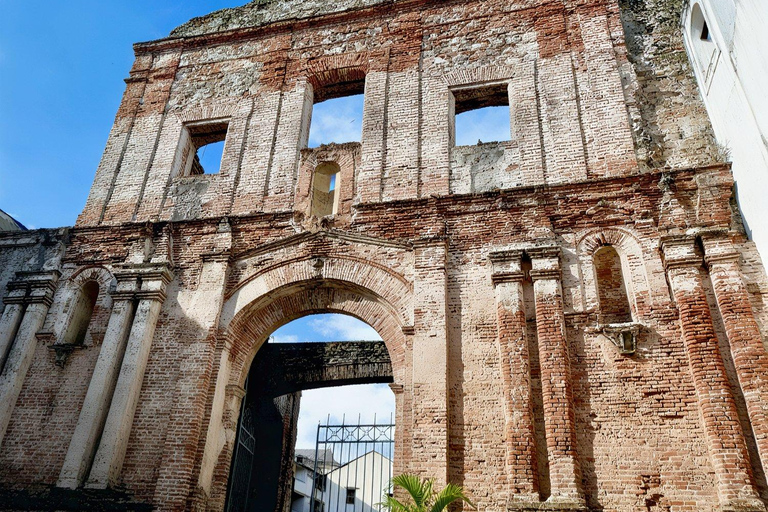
<point x="481" y="114"/>
<point x="203" y="147"/>
<point x="336" y="120"/>
<point x="350" y="495"/>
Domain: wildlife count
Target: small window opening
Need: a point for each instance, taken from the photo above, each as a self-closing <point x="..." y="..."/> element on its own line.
<point x="320" y="482"/>
<point x="203" y="147"/>
<point x="705" y="33"/>
<point x="481" y="114"/>
<point x="82" y="313"/>
<point x="336" y="120"/>
<point x="325" y="199"/>
<point x="611" y="290"/>
<point x="350" y="495"/>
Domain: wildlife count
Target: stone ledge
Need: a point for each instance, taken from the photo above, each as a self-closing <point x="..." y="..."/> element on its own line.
<point x="546" y="506"/>
<point x="55" y="498"/>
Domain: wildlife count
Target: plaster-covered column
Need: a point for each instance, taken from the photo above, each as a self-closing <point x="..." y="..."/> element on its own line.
<point x="9" y="325"/>
<point x="430" y="362"/>
<point x="186" y="421"/>
<point x="114" y="440"/>
<point x="233" y="402"/>
<point x="507" y="278"/>
<point x="38" y="297"/>
<point x="725" y="440"/>
<point x="556" y="385"/>
<point x="749" y="355"/>
<point x="99" y="395"/>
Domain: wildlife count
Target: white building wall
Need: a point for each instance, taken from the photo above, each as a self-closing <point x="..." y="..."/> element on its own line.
<point x="368" y="474"/>
<point x="732" y="72"/>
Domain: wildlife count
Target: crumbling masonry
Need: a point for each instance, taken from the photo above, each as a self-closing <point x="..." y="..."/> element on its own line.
<point x="574" y="318"/>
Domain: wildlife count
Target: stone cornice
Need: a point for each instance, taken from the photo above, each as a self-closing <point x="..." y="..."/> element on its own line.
<point x="543" y="252"/>
<point x="32" y="287"/>
<point x="679" y="251"/>
<point x="545" y="274"/>
<point x="507" y="277"/>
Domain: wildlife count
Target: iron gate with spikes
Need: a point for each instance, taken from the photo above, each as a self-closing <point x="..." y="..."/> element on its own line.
<point x="352" y="467"/>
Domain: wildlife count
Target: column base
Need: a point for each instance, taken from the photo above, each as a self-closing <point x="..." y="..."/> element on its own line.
<point x="553" y="504"/>
<point x="744" y="505"/>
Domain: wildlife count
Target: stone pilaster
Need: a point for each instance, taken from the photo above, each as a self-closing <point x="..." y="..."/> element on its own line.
<point x="556" y="385"/>
<point x="725" y="440"/>
<point x="35" y="290"/>
<point x="109" y="456"/>
<point x="9" y="325"/>
<point x="186" y="421"/>
<point x="519" y="433"/>
<point x="749" y="355"/>
<point x="97" y="400"/>
<point x="430" y="362"/>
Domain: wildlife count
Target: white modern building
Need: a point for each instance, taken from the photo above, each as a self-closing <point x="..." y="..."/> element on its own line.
<point x="307" y="475"/>
<point x="725" y="40"/>
<point x="357" y="486"/>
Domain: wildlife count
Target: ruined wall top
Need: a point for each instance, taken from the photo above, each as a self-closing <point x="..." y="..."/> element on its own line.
<point x="263" y="12"/>
<point x="562" y="73"/>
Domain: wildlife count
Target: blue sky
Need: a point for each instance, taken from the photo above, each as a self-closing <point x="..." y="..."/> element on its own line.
<point x="62" y="66"/>
<point x="366" y="402"/>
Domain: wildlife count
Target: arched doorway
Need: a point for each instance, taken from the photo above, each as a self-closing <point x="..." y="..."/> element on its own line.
<point x="264" y="465"/>
<point x="266" y="403"/>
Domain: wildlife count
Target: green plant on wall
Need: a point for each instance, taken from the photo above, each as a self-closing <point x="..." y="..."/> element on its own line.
<point x="423" y="496"/>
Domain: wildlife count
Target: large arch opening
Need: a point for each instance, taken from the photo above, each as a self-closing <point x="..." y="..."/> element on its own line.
<point x="274" y="366"/>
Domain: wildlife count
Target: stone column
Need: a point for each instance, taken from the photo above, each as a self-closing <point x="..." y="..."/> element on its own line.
<point x="9" y="325"/>
<point x="749" y="355"/>
<point x="38" y="297"/>
<point x="725" y="440"/>
<point x="99" y="395"/>
<point x="520" y="437"/>
<point x="430" y="362"/>
<point x="556" y="385"/>
<point x="108" y="460"/>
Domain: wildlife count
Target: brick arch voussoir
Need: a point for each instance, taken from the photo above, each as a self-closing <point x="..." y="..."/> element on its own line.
<point x="369" y="278"/>
<point x="255" y="323"/>
<point x="630" y="251"/>
<point x="101" y="275"/>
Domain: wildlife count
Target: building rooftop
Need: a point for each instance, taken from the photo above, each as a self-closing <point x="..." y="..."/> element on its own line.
<point x="8" y="223"/>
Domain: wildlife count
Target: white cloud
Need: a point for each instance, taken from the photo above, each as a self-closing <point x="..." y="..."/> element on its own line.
<point x="284" y="338"/>
<point x="337" y="120"/>
<point x="343" y="328"/>
<point x="486" y="124"/>
<point x="365" y="401"/>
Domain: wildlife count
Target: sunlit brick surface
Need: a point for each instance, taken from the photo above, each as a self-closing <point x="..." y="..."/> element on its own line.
<point x="485" y="270"/>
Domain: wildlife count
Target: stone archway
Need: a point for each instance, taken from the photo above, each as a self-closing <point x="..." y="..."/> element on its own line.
<point x="247" y="325"/>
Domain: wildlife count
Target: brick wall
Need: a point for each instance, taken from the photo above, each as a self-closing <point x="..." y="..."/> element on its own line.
<point x="490" y="300"/>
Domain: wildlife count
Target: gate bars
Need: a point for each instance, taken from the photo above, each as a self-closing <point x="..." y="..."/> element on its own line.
<point x="352" y="467"/>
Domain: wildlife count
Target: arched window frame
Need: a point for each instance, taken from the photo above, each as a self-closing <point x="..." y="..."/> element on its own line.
<point x="624" y="285"/>
<point x="700" y="39"/>
<point x="638" y="269"/>
<point x="81" y="313"/>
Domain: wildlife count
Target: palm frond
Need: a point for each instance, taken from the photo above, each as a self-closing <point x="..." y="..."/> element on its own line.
<point x="420" y="490"/>
<point x="447" y="496"/>
<point x="394" y="505"/>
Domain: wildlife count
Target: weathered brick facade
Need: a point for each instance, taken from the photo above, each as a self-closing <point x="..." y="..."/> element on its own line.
<point x="528" y="366"/>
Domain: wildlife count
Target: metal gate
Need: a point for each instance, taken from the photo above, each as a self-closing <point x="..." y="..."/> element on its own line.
<point x="352" y="467"/>
<point x="242" y="462"/>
